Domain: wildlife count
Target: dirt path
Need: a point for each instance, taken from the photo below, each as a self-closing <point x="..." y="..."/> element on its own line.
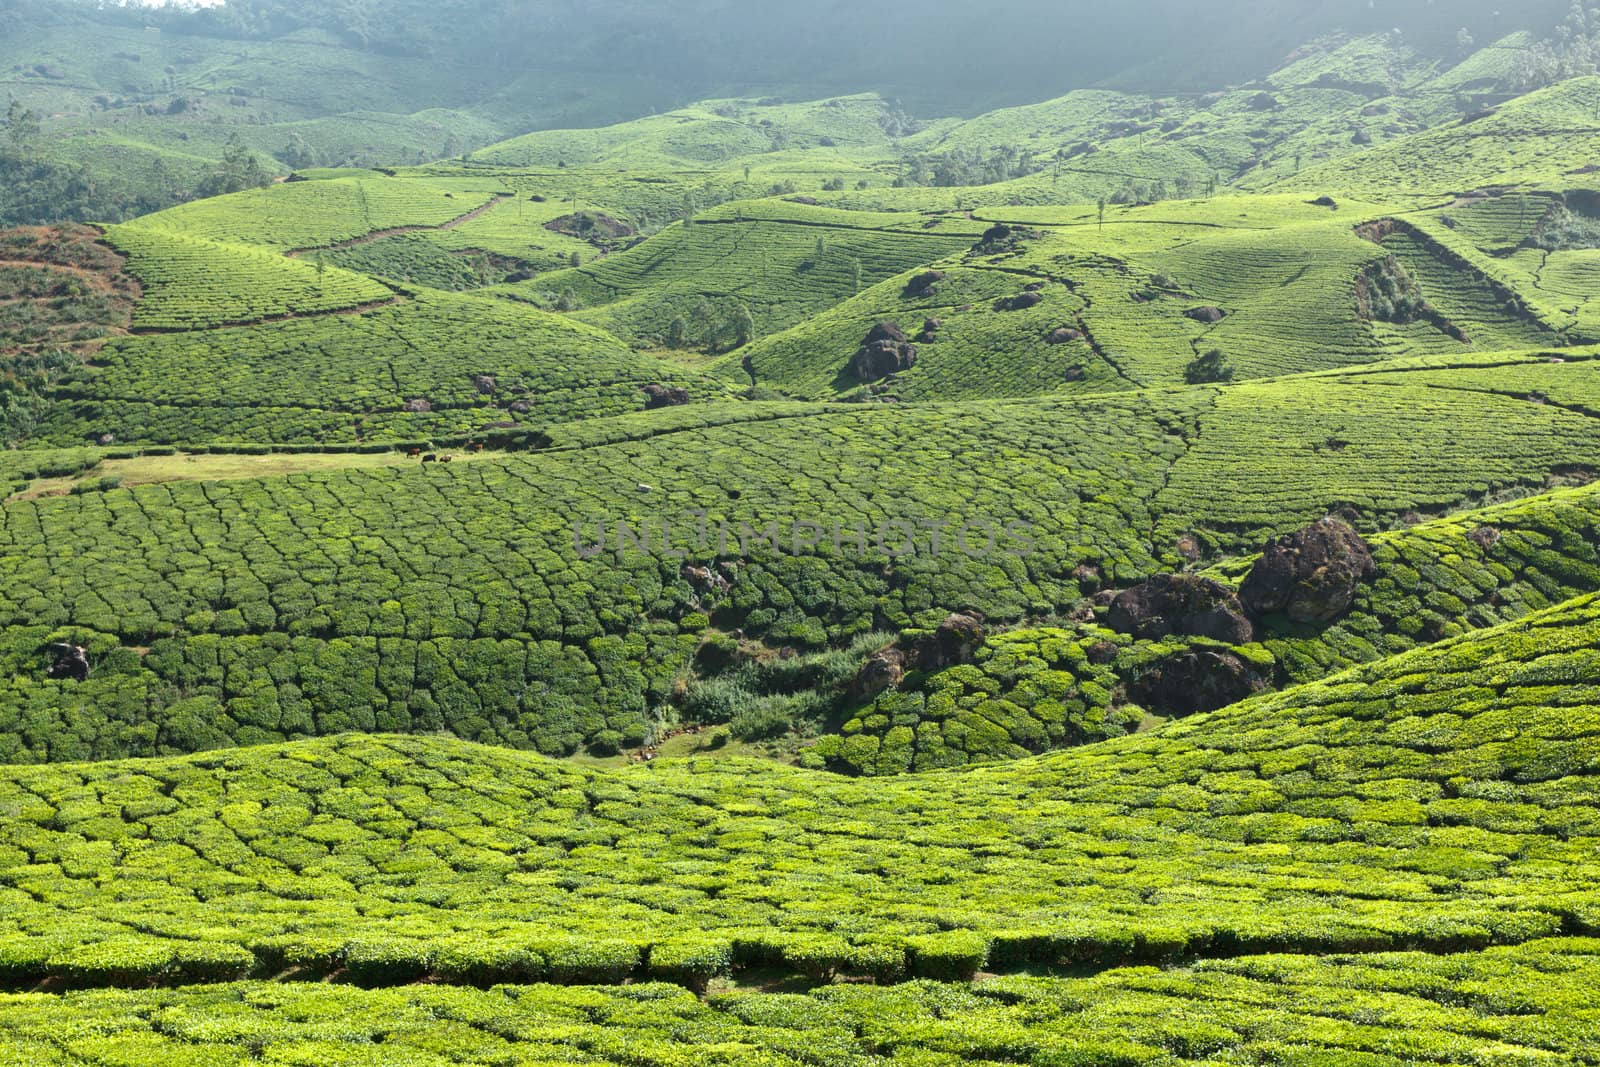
<point x="395" y="231"/>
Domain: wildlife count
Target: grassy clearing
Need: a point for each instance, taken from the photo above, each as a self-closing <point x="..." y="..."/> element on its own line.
<point x="219" y="467"/>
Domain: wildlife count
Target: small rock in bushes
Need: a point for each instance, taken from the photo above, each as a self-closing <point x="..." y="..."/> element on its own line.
<point x="883" y="671"/>
<point x="956" y="641"/>
<point x="662" y="396"/>
<point x="1020" y="302"/>
<point x="924" y="284"/>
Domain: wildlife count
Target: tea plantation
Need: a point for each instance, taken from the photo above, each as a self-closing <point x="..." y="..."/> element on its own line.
<point x="1441" y="800"/>
<point x="1112" y="580"/>
<point x="1526" y="1003"/>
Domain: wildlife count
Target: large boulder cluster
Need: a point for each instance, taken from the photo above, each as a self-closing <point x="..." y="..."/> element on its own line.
<point x="1311" y="576"/>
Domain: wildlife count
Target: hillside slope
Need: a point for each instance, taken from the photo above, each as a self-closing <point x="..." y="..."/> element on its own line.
<point x="1441" y="800"/>
<point x="497" y="600"/>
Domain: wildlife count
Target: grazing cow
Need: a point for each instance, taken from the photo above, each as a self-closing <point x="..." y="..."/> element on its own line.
<point x="446" y="459"/>
<point x="414" y="453"/>
<point x="430" y="458"/>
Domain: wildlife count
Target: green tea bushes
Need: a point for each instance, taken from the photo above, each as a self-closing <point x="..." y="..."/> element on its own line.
<point x="317" y="214"/>
<point x="967" y="349"/>
<point x="1386" y="1009"/>
<point x="437" y="366"/>
<point x="1440" y="800"/>
<point x="191" y="283"/>
<point x="782" y="270"/>
<point x="1384" y="450"/>
<point x="1028" y="691"/>
<point x="317" y="603"/>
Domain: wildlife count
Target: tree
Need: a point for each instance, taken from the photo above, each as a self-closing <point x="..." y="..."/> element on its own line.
<point x="322" y="268"/>
<point x="677" y="333"/>
<point x="298" y="154"/>
<point x="1464" y="42"/>
<point x="576" y="259"/>
<point x="704" y="320"/>
<point x="741" y="326"/>
<point x="1102" y="212"/>
<point x="1212" y="367"/>
<point x="22" y="126"/>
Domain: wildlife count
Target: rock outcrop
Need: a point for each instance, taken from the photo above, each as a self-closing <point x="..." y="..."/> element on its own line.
<point x="662" y="396"/>
<point x="1199" y="680"/>
<point x="1184" y="605"/>
<point x="956" y="641"/>
<point x="923" y="285"/>
<point x="1021" y="302"/>
<point x="1310" y="576"/>
<point x="72" y="662"/>
<point x="882" y="672"/>
<point x="886" y="351"/>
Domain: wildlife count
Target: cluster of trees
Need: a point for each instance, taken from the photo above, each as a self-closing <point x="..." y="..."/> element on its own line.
<point x="1573" y="51"/>
<point x="1209" y="367"/>
<point x="965" y="167"/>
<point x="712" y="329"/>
<point x="25" y="382"/>
<point x="37" y="189"/>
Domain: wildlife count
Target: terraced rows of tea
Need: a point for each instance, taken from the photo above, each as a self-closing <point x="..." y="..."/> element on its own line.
<point x="1113" y="580"/>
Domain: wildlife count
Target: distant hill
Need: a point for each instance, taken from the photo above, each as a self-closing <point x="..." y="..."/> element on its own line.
<point x="139" y="104"/>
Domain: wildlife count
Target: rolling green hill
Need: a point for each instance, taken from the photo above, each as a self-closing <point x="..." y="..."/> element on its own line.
<point x="1439" y="801"/>
<point x="459" y="598"/>
<point x="718" y="564"/>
